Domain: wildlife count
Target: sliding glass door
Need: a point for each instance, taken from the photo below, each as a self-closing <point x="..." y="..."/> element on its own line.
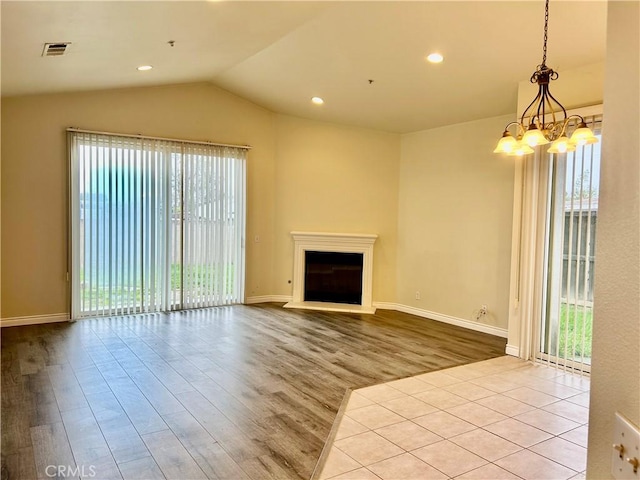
<point x="565" y="336"/>
<point x="156" y="225"/>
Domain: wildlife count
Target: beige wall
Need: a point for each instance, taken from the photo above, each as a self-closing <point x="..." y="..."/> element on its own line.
<point x="454" y="221"/>
<point x="34" y="175"/>
<point x="302" y="175"/>
<point x="615" y="378"/>
<point x="341" y="179"/>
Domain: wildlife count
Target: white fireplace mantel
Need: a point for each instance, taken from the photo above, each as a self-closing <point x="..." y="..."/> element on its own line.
<point x="333" y="242"/>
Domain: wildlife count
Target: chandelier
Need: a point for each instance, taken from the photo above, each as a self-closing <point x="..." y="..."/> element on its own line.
<point x="545" y="120"/>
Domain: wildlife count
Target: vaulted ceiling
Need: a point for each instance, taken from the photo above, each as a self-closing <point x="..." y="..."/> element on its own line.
<point x="365" y="59"/>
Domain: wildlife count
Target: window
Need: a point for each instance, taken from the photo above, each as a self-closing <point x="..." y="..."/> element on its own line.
<point x="156" y="224"/>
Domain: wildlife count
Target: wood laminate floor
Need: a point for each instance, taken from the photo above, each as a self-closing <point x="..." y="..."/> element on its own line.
<point x="231" y="392"/>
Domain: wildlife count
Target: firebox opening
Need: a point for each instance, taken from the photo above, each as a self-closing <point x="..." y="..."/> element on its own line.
<point x="333" y="277"/>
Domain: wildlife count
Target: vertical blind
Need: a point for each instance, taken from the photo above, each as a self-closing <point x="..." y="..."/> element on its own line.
<point x="566" y="331"/>
<point x="155" y="224"/>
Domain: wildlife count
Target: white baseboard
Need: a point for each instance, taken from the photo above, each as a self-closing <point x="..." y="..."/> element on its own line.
<point x="512" y="350"/>
<point x="34" y="320"/>
<point x="386" y="305"/>
<point x="268" y="299"/>
<point x="460" y="322"/>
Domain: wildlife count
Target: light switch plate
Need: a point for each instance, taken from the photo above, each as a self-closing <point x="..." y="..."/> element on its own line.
<point x="625" y="434"/>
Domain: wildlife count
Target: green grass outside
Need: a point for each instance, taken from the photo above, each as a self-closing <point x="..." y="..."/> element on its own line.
<point x="576" y="321"/>
<point x="101" y="297"/>
<point x="196" y="277"/>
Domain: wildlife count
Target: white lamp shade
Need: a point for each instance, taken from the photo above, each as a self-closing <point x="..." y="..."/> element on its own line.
<point x="521" y="149"/>
<point x="583" y="136"/>
<point x="534" y="137"/>
<point x="562" y="145"/>
<point x="506" y="144"/>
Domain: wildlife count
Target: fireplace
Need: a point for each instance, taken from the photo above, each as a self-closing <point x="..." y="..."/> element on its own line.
<point x="333" y="271"/>
<point x="333" y="277"/>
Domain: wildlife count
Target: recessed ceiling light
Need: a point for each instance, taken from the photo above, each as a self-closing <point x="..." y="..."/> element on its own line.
<point x="143" y="68"/>
<point x="317" y="100"/>
<point x="435" y="57"/>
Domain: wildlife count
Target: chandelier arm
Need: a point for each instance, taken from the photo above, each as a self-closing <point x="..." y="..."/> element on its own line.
<point x="559" y="104"/>
<point x="568" y="119"/>
<point x="564" y="127"/>
<point x="533" y="102"/>
<point x="575" y="115"/>
<point x="552" y="111"/>
<point x="519" y="129"/>
<point x="509" y="124"/>
<point x="542" y="104"/>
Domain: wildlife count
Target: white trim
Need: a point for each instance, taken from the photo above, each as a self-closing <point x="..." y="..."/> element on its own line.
<point x="333" y="242"/>
<point x="267" y="299"/>
<point x="459" y="322"/>
<point x="34" y="320"/>
<point x="512" y="350"/>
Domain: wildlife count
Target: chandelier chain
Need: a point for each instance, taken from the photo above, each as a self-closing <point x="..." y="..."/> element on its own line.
<point x="545" y="116"/>
<point x="546" y="26"/>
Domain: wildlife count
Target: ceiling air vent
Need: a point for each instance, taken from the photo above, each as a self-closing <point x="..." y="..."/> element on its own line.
<point x="55" y="49"/>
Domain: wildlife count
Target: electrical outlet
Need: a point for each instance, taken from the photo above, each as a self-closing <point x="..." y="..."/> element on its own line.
<point x="625" y="456"/>
<point x="417" y="295"/>
<point x="481" y="313"/>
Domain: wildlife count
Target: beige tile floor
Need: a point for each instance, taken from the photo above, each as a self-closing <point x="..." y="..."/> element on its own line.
<point x="498" y="419"/>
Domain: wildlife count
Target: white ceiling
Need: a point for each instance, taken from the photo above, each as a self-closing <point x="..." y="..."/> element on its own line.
<point x="280" y="54"/>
